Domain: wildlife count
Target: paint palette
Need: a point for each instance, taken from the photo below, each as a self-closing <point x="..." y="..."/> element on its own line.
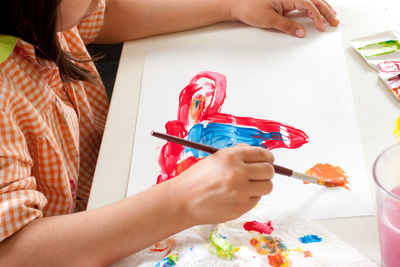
<point x="382" y="52"/>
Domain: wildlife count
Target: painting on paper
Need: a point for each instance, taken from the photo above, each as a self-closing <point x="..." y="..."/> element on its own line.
<point x="223" y="96"/>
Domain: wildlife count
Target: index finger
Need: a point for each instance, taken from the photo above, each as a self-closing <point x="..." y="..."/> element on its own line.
<point x="326" y="11"/>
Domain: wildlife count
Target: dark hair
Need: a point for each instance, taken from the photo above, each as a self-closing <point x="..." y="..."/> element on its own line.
<point x="35" y="21"/>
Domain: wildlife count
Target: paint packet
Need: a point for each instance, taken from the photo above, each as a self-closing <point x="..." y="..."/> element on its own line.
<point x="382" y="52"/>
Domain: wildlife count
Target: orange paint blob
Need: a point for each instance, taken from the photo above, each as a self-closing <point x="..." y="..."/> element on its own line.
<point x="279" y="259"/>
<point x="331" y="176"/>
<point x="307" y="254"/>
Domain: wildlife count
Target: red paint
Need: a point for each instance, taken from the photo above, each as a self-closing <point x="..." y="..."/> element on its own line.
<point x="166" y="245"/>
<point x="389" y="66"/>
<point x="201" y="101"/>
<point x="262" y="228"/>
<point x="186" y="163"/>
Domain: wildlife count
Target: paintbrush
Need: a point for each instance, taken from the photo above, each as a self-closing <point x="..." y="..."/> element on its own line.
<point x="278" y="169"/>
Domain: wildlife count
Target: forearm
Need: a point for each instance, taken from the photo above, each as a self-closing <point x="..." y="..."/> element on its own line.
<point x="133" y="19"/>
<point x="97" y="237"/>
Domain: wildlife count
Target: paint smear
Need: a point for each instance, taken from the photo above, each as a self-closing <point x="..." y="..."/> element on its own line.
<point x="389" y="66"/>
<point x="262" y="228"/>
<point x="306" y="253"/>
<point x="168" y="261"/>
<point x="332" y="176"/>
<point x="273" y="247"/>
<point x="199" y="119"/>
<point x="394" y="85"/>
<point x="397" y="129"/>
<point x="277" y="252"/>
<point x="310" y="239"/>
<point x="221" y="247"/>
<point x="378" y="49"/>
<point x="164" y="246"/>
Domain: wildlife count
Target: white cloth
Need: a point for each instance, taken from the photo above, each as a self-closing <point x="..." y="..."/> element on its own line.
<point x="193" y="245"/>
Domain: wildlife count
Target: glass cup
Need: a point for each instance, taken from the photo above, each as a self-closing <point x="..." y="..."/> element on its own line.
<point x="386" y="173"/>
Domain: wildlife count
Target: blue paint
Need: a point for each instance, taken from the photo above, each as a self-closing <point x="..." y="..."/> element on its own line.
<point x="310" y="239"/>
<point x="224" y="237"/>
<point x="168" y="261"/>
<point x="221" y="135"/>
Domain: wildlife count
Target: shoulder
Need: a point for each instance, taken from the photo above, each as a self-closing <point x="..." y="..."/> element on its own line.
<point x="90" y="27"/>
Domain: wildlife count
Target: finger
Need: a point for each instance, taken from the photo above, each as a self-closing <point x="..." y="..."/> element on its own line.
<point x="327" y="12"/>
<point x="259" y="188"/>
<point x="253" y="201"/>
<point x="251" y="154"/>
<point x="286" y="25"/>
<point x="277" y="6"/>
<point x="326" y="3"/>
<point x="260" y="171"/>
<point x="313" y="12"/>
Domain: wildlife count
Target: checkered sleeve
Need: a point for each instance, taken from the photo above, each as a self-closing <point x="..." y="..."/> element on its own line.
<point x="20" y="203"/>
<point x="90" y="27"/>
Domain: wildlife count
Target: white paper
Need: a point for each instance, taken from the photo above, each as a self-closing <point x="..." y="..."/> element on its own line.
<point x="300" y="82"/>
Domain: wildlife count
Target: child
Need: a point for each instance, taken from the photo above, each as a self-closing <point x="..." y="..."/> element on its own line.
<point x="52" y="114"/>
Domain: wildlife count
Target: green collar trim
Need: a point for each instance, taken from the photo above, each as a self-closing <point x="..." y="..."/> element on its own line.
<point x="7" y="44"/>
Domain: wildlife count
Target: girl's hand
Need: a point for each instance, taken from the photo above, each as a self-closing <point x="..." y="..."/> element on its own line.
<point x="270" y="14"/>
<point x="226" y="184"/>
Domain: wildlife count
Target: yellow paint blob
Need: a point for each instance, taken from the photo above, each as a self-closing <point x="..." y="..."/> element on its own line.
<point x="397" y="129"/>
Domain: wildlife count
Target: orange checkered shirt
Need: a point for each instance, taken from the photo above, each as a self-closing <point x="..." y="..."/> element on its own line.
<point x="50" y="132"/>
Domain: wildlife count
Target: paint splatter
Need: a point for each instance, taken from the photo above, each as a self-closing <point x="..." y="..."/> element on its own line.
<point x="262" y="228"/>
<point x="397" y="129"/>
<point x="277" y="252"/>
<point x="168" y="261"/>
<point x="310" y="239"/>
<point x="199" y="119"/>
<point x="221" y="247"/>
<point x="273" y="247"/>
<point x="306" y="253"/>
<point x="332" y="176"/>
<point x="166" y="245"/>
<point x="378" y="49"/>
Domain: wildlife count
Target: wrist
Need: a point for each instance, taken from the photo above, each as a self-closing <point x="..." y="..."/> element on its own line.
<point x="228" y="8"/>
<point x="179" y="202"/>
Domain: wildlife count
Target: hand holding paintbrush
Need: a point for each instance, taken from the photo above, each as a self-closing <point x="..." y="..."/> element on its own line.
<point x="278" y="169"/>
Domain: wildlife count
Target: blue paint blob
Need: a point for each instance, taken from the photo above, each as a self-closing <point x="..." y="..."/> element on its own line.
<point x="310" y="239"/>
<point x="168" y="261"/>
<point x="221" y="135"/>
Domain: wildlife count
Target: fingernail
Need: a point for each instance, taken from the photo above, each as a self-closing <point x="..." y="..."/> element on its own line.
<point x="335" y="22"/>
<point x="299" y="33"/>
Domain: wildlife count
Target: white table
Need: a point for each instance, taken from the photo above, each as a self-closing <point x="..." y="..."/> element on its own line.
<point x="376" y="110"/>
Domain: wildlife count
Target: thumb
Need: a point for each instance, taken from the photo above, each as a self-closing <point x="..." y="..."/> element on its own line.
<point x="286" y="25"/>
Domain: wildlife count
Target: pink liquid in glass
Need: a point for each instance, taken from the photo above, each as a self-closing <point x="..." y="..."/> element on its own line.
<point x="389" y="228"/>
